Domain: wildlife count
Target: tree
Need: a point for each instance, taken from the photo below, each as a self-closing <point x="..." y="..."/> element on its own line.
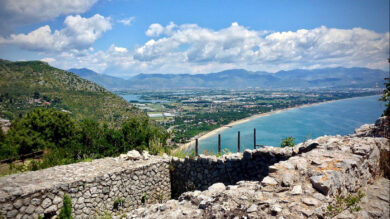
<point x="386" y="95"/>
<point x="91" y="137"/>
<point x="2" y="135"/>
<point x="139" y="133"/>
<point x="136" y="134"/>
<point x="53" y="125"/>
<point x="37" y="130"/>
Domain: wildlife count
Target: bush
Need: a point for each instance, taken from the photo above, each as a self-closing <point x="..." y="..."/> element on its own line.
<point x="64" y="141"/>
<point x="119" y="202"/>
<point x="66" y="210"/>
<point x="350" y="202"/>
<point x="386" y="96"/>
<point x="288" y="142"/>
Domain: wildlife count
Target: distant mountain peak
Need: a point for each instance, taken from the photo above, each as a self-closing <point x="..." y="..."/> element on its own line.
<point x="242" y="79"/>
<point x="106" y="81"/>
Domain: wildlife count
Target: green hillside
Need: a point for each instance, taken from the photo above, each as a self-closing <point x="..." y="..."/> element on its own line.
<point x="27" y="85"/>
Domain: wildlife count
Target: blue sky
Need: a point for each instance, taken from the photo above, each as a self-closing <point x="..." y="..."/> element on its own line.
<point x="126" y="37"/>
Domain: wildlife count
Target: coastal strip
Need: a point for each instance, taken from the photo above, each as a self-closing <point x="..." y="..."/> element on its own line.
<point x="204" y="135"/>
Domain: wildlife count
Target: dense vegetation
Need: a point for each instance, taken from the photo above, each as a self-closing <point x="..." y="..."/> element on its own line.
<point x="27" y="85"/>
<point x="386" y="95"/>
<point x="65" y="140"/>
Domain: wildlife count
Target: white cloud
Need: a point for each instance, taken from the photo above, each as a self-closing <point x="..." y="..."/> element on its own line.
<point x="189" y="48"/>
<point x="119" y="49"/>
<point x="48" y="60"/>
<point x="97" y="61"/>
<point x="154" y="30"/>
<point x="168" y="30"/>
<point x="79" y="34"/>
<point x="239" y="46"/>
<point x="127" y="22"/>
<point x="21" y="12"/>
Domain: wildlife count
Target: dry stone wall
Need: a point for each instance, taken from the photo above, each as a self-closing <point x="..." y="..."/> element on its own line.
<point x="93" y="187"/>
<point x="302" y="186"/>
<point x="200" y="172"/>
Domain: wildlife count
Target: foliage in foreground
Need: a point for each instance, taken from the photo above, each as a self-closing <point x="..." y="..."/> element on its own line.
<point x="386" y="96"/>
<point x="288" y="142"/>
<point x="351" y="203"/>
<point x="65" y="141"/>
<point x="66" y="210"/>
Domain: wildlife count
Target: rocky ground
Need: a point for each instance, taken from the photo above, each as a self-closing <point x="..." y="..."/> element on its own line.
<point x="335" y="173"/>
<point x="376" y="202"/>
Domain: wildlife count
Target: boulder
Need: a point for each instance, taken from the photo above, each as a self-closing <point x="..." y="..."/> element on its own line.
<point x="297" y="190"/>
<point x="320" y="184"/>
<point x="131" y="155"/>
<point x="269" y="181"/>
<point x="217" y="188"/>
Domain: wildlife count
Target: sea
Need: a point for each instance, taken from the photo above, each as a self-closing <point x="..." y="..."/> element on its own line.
<point x="339" y="117"/>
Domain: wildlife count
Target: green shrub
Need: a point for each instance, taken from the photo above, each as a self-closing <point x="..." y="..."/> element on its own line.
<point x="118" y="203"/>
<point x="288" y="142"/>
<point x="144" y="198"/>
<point x="106" y="215"/>
<point x="350" y="202"/>
<point x="66" y="210"/>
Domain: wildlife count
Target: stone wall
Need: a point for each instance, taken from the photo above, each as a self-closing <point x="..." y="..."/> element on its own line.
<point x="303" y="186"/>
<point x="200" y="172"/>
<point x="93" y="187"/>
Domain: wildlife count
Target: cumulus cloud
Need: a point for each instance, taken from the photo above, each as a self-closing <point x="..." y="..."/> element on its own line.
<point x="190" y="48"/>
<point x="22" y="12"/>
<point x="98" y="61"/>
<point x="48" y="60"/>
<point x="154" y="30"/>
<point x="79" y="34"/>
<point x="127" y="21"/>
<point x="239" y="46"/>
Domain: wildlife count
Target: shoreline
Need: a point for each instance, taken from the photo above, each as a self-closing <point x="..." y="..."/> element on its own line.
<point x="247" y="119"/>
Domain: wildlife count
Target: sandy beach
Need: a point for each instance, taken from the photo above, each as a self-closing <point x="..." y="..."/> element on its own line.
<point x="220" y="129"/>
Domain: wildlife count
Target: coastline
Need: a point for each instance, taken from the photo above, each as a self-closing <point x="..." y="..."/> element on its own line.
<point x="247" y="119"/>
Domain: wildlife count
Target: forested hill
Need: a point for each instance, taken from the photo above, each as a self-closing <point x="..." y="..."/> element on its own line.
<point x="27" y="85"/>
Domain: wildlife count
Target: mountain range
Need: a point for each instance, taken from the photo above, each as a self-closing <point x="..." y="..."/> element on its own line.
<point x="241" y="79"/>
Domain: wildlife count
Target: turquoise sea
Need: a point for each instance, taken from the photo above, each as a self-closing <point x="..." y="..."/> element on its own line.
<point x="339" y="117"/>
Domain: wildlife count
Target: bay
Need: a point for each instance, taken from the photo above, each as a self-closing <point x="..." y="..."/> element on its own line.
<point x="340" y="117"/>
